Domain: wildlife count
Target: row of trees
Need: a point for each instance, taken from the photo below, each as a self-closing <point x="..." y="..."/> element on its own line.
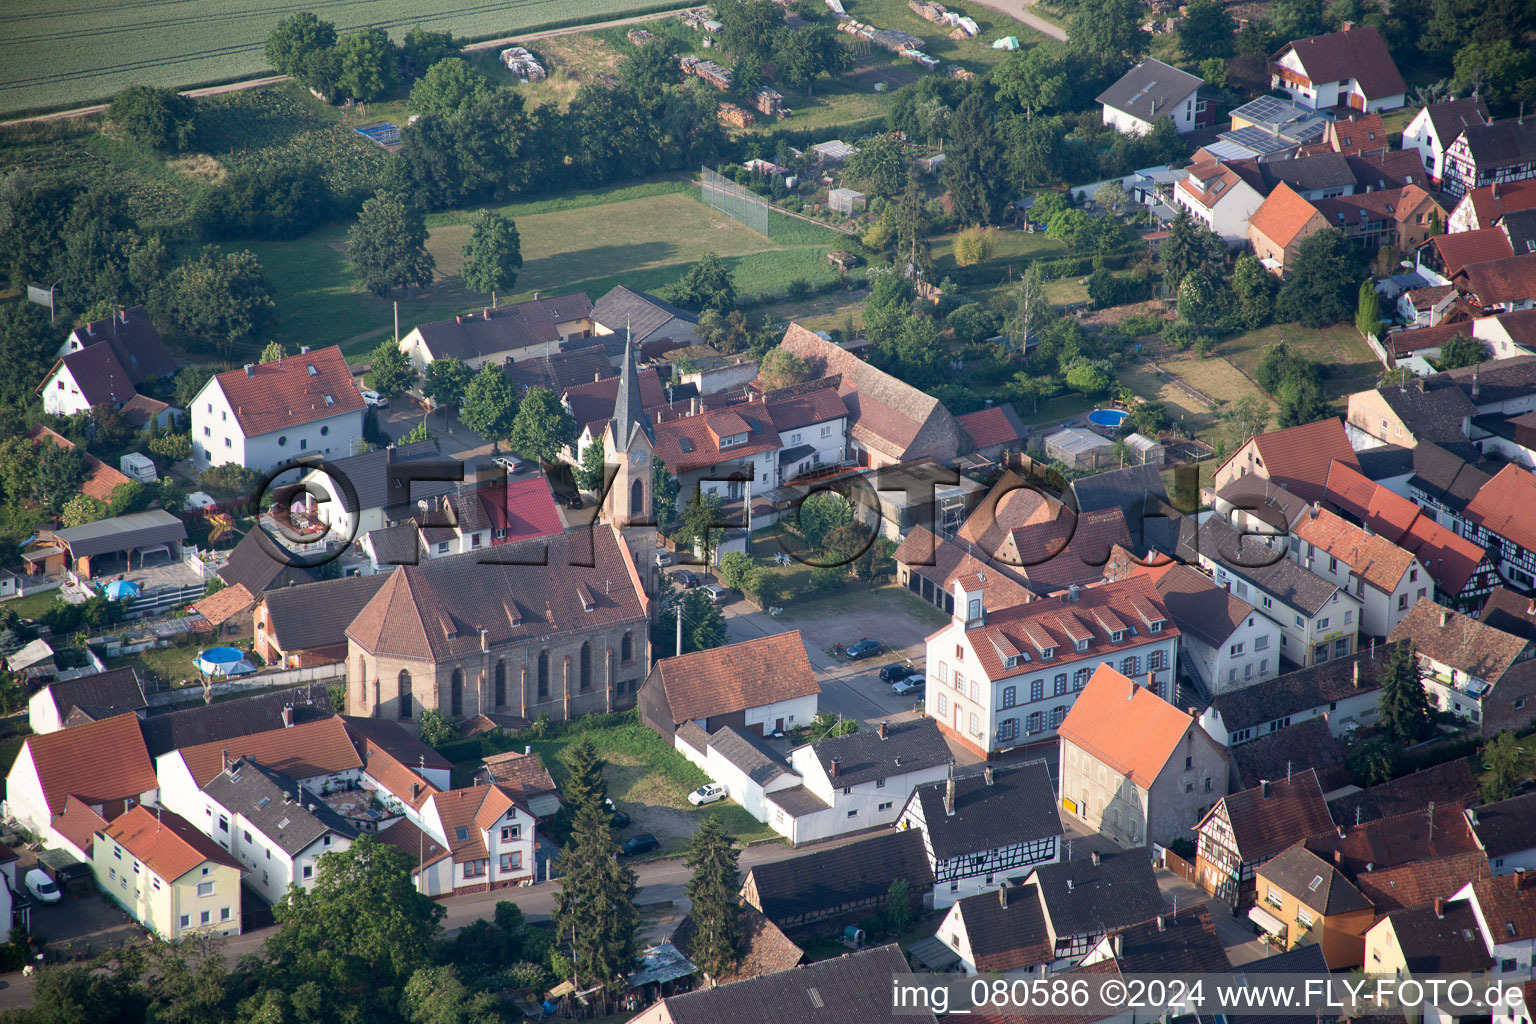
<point x="362" y="65"/>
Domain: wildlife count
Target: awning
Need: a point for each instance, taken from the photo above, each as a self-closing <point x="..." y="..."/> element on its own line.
<point x="933" y="954"/>
<point x="1269" y="922"/>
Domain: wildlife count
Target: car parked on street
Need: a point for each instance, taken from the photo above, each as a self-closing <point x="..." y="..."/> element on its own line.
<point x="707" y="794"/>
<point x="865" y="648"/>
<point x="909" y="685"/>
<point x="510" y="463"/>
<point x="374" y="400"/>
<point x="687" y="578"/>
<point x="40" y="885"/>
<point x="895" y="672"/>
<point x="717" y="593"/>
<point x="642" y="843"/>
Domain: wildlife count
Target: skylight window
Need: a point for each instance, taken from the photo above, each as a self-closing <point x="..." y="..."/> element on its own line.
<point x="312" y="371"/>
<point x="1317" y="880"/>
<point x="461" y="833"/>
<point x="263" y="802"/>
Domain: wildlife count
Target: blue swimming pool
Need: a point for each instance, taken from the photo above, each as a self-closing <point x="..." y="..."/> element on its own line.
<point x="1108" y="417"/>
<point x="223" y="661"/>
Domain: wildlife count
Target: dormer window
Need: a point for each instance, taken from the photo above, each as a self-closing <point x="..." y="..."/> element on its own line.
<point x="1156" y="626"/>
<point x="1047" y="653"/>
<point x="1082" y="645"/>
<point x="1117" y="636"/>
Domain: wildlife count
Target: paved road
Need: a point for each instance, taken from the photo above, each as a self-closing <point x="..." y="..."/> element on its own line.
<point x="1019" y="9"/>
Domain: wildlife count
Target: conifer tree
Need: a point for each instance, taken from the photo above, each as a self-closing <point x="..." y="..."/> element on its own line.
<point x="713" y="891"/>
<point x="595" y="913"/>
<point x="1404" y="703"/>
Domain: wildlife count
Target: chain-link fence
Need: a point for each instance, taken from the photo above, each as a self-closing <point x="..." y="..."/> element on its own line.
<point x="737" y="202"/>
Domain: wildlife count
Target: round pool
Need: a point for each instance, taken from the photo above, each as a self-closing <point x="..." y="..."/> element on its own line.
<point x="1108" y="417"/>
<point x="222" y="661"/>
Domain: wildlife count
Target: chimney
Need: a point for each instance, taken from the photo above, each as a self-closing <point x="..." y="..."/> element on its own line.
<point x="832" y="767"/>
<point x="987" y="773"/>
<point x="1520" y="880"/>
<point x="1445" y="617"/>
<point x="487" y="312"/>
<point x="1069" y="885"/>
<point x="123" y="315"/>
<point x="1151" y="680"/>
<point x="1002" y="896"/>
<point x="1073" y="592"/>
<point x="1093" y="855"/>
<point x="303" y="350"/>
<point x="1440" y="907"/>
<point x="1357" y="675"/>
<point x="90" y="330"/>
<point x="250" y="369"/>
<point x="1119" y="945"/>
<point x="485" y="639"/>
<point x="1477" y="388"/>
<point x="287" y="716"/>
<point x="527" y="749"/>
<point x="597" y="375"/>
<point x="1161" y="925"/>
<point x="1338" y="856"/>
<point x="458" y="319"/>
<point x="1472" y="817"/>
<point x="885" y="731"/>
<point x="223" y="760"/>
<point x="1495" y="190"/>
<point x="1264" y="788"/>
<point x="949" y="802"/>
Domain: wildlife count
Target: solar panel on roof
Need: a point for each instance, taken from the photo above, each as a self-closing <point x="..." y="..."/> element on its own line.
<point x="1256" y="139"/>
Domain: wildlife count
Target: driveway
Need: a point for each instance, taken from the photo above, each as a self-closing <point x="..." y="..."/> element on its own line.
<point x="1019" y="10"/>
<point x="88" y="923"/>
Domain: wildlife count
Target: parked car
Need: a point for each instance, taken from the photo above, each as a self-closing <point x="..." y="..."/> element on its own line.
<point x="717" y="593"/>
<point x="375" y="400"/>
<point x="616" y="817"/>
<point x="911" y="684"/>
<point x="573" y="500"/>
<point x="43" y="887"/>
<point x="896" y="672"/>
<point x="642" y="843"/>
<point x="663" y="558"/>
<point x="510" y="463"/>
<point x="687" y="578"/>
<point x="707" y="794"/>
<point x="865" y="648"/>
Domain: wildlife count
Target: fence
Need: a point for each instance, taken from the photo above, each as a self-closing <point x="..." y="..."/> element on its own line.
<point x="247" y="685"/>
<point x="735" y="201"/>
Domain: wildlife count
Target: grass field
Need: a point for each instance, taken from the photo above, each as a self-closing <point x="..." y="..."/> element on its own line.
<point x="53" y="54"/>
<point x="644" y="236"/>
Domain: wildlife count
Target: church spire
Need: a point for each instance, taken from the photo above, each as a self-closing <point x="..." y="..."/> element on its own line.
<point x="628" y="409"/>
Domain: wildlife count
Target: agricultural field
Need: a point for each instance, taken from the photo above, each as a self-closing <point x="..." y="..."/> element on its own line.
<point x="55" y="55"/>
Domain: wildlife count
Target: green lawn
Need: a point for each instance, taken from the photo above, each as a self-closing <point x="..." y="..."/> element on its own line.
<point x="32" y="605"/>
<point x="977" y="53"/>
<point x="1348" y="363"/>
<point x="172" y="664"/>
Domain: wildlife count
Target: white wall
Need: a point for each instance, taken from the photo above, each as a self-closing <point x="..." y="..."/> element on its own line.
<point x="61" y="394"/>
<point x="1221" y="668"/>
<point x="866" y="805"/>
<point x="24" y="799"/>
<point x="43" y="713"/>
<point x="796" y="711"/>
<point x="829" y="438"/>
<point x="217" y="438"/>
<point x="746" y="792"/>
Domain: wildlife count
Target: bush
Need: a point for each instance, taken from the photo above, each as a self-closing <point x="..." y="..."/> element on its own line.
<point x="154" y="118"/>
<point x="737" y="569"/>
<point x="975" y="245"/>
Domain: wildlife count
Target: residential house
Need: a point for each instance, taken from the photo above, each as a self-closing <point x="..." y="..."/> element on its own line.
<point x="1085" y="899"/>
<point x="1247" y="828"/>
<point x="1268" y="128"/>
<point x="1486" y="205"/>
<point x="1134" y="767"/>
<point x="1405" y="861"/>
<point x="751" y="771"/>
<point x="1506" y="832"/>
<point x="1505" y="906"/>
<point x="1184" y="942"/>
<point x="643" y="318"/>
<point x="1520" y="228"/>
<point x="1153" y="90"/>
<point x="764" y="686"/>
<point x="1296" y="458"/>
<point x="556" y="624"/>
<point x="267" y="414"/>
<point x="1499" y="286"/>
<point x="1442" y="257"/>
<point x="489" y="839"/>
<point x="1351" y="68"/>
<point x="984" y="826"/>
<point x="764" y="948"/>
<point x="522" y="774"/>
<point x="1137" y="491"/>
<point x="167" y="875"/>
<point x="1386" y="579"/>
<point x="856" y="986"/>
<point x="1426" y="307"/>
<point x="1280" y="224"/>
<point x="1219" y="198"/>
<point x="889" y="421"/>
<point x="1443" y="483"/>
<point x="1495" y="519"/>
<point x="725" y="452"/>
<point x="1435" y="127"/>
<point x="1002" y="934"/>
<point x="928" y="565"/>
<point x="1320" y="175"/>
<point x="812" y="422"/>
<point x="1510" y="612"/>
<point x="1318" y="618"/>
<point x="1343" y="689"/>
<point x="559" y="370"/>
<point x="855" y="782"/>
<point x="97" y="696"/>
<point x="1305" y="746"/>
<point x="993" y="431"/>
<point x="1224" y="641"/>
<point x="1443" y="938"/>
<point x="228" y="611"/>
<point x="166" y="731"/>
<point x="256" y="565"/>
<point x="362" y="493"/>
<point x="1498" y="151"/>
<point x="299" y="627"/>
<point x="524" y="329"/>
<point x="1359" y="135"/>
<point x="1446" y="784"/>
<point x="1402" y="218"/>
<point x="844" y="883"/>
<point x="1001" y="677"/>
<point x="103" y="764"/>
<point x="397" y="741"/>
<point x="1473" y="670"/>
<point x="270" y="823"/>
<point x="102" y="362"/>
<point x="1303" y="899"/>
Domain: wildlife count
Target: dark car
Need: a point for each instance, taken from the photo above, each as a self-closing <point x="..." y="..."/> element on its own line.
<point x="863" y="649"/>
<point x="616" y="817"/>
<point x="642" y="843"/>
<point x="573" y="500"/>
<point x="892" y="673"/>
<point x="687" y="578"/>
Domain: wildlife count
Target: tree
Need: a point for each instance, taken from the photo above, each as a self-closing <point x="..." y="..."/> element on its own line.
<point x="171" y="447"/>
<point x="1089" y="378"/>
<point x="879" y="167"/>
<point x="1032" y="311"/>
<point x="1371" y="762"/>
<point x="295" y="38"/>
<point x="1036" y="79"/>
<point x="265" y="201"/>
<point x="1403" y="702"/>
<point x="707" y="285"/>
<point x="82" y="509"/>
<point x="272" y="352"/>
<point x="1206" y="30"/>
<point x="1301" y="401"/>
<point x="1109" y="35"/>
<point x="595" y="914"/>
<point x="542" y="428"/>
<point x="435" y="995"/>
<point x="219" y="298"/>
<point x="347" y="947"/>
<point x="652" y="69"/>
<point x="975" y="245"/>
<point x="391" y="372"/>
<point x="388" y="245"/>
<point x="450" y="87"/>
<point x="1504" y="758"/>
<point x="974" y="323"/>
<point x="749" y="27"/>
<point x="716" y="912"/>
<point x="154" y="118"/>
<point x="1249" y="415"/>
<point x="424" y="47"/>
<point x="780" y="368"/>
<point x="664" y="488"/>
<point x="735" y="568"/>
<point x="493" y="256"/>
<point x="1111" y="195"/>
<point x="593" y="469"/>
<point x="898" y="905"/>
<point x="29" y="342"/>
<point x="704" y="621"/>
<point x="1296" y="19"/>
<point x="1368" y="308"/>
<point x="1202" y="299"/>
<point x="489" y="407"/>
<point x="435" y="728"/>
<point x="1190" y="247"/>
<point x="366" y="64"/>
<point x="1499" y="70"/>
<point x="973" y="164"/>
<point x="585" y="786"/>
<point x="190" y="380"/>
<point x="910" y="218"/>
<point x="1321" y="283"/>
<point x="804" y="54"/>
<point x="57" y="476"/>
<point x="1462" y="351"/>
<point x="445" y="382"/>
<point x="1255" y="290"/>
<point x="129" y="497"/>
<point x="701" y="522"/>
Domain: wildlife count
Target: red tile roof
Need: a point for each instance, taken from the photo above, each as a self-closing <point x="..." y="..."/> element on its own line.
<point x="1299" y="457"/>
<point x="395" y="776"/>
<point x="818" y="406"/>
<point x="519" y="772"/>
<point x="693" y="442"/>
<point x="474" y="809"/>
<point x="1464" y="247"/>
<point x="737" y="676"/>
<point x="1495" y="282"/>
<point x="225" y="604"/>
<point x="1361" y="133"/>
<point x="166" y="842"/>
<point x="1450" y="559"/>
<point x="99" y="762"/>
<point x="1125" y="725"/>
<point x="524" y="508"/>
<point x="1504" y="505"/>
<point x="79" y="823"/>
<point x="1512" y="196"/>
<point x="1283" y="215"/>
<point x="302" y="751"/>
<point x="988" y="427"/>
<point x="1418" y="339"/>
<point x="1209" y="183"/>
<point x="101" y="479"/>
<point x="1359" y="53"/>
<point x="292" y="391"/>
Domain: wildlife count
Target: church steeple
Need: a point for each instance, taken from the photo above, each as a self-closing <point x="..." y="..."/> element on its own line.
<point x="628" y="409"/>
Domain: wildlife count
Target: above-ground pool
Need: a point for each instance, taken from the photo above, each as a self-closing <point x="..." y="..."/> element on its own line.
<point x="223" y="661"/>
<point x="1107" y="417"/>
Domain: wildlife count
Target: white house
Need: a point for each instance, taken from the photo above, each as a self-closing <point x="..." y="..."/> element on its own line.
<point x="104" y="764"/>
<point x="1002" y="934"/>
<point x="1153" y="90"/>
<point x="538" y="327"/>
<point x="1345" y="690"/>
<point x="1219" y="198"/>
<point x="856" y="782"/>
<point x="381" y="486"/>
<point x="1351" y="68"/>
<point x="274" y="827"/>
<point x="1223" y="639"/>
<point x="264" y="415"/>
<point x="1434" y="128"/>
<point x="1386" y="579"/>
<point x="812" y="422"/>
<point x="1506" y="832"/>
<point x="751" y="772"/>
<point x="100" y="363"/>
<point x="99" y="695"/>
<point x="490" y="839"/>
<point x="722" y="451"/>
<point x="1504" y="906"/>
